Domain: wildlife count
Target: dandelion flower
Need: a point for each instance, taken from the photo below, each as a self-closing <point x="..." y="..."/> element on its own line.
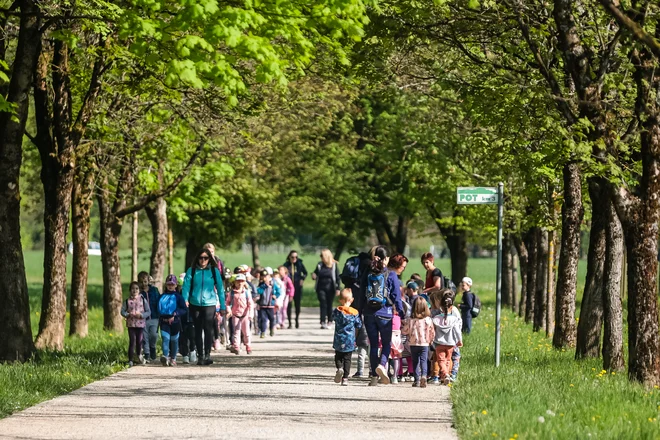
<point x="541" y="419"/>
<point x="484" y="412"/>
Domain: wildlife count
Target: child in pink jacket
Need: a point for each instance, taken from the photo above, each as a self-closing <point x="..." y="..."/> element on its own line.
<point x="290" y="291"/>
<point x="240" y="305"/>
<point x="420" y="331"/>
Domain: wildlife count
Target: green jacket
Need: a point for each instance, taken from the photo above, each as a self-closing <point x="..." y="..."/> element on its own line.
<point x="205" y="289"/>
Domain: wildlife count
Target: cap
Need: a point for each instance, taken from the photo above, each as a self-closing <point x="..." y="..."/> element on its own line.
<point x="240" y="277"/>
<point x="171" y="279"/>
<point x="412" y="285"/>
<point x="181" y="278"/>
<point x="264" y="273"/>
<point x="269" y="270"/>
<point x="467" y="280"/>
<point x="243" y="268"/>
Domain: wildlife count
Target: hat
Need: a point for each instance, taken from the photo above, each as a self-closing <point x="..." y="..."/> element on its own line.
<point x="269" y="270"/>
<point x="243" y="268"/>
<point x="181" y="278"/>
<point x="467" y="280"/>
<point x="264" y="273"/>
<point x="171" y="279"/>
<point x="239" y="277"/>
<point x="412" y="285"/>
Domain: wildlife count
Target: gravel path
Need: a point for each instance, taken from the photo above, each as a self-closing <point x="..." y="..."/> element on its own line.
<point x="285" y="389"/>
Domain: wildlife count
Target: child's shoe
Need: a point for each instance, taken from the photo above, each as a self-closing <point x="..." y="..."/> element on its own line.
<point x="394" y="380"/>
<point x="435" y="380"/>
<point x="142" y="360"/>
<point x="422" y="383"/>
<point x="344" y="382"/>
<point x="186" y="360"/>
<point x="338" y="375"/>
<point x="453" y="378"/>
<point x="272" y="332"/>
<point x="130" y="364"/>
<point x="216" y="345"/>
<point x="208" y="360"/>
<point x="415" y="384"/>
<point x="374" y="381"/>
<point x="193" y="357"/>
<point x="358" y="375"/>
<point x="234" y="350"/>
<point x="248" y="350"/>
<point x="164" y="361"/>
<point x="263" y="335"/>
<point x="172" y="362"/>
<point x="382" y="373"/>
<point x="445" y="381"/>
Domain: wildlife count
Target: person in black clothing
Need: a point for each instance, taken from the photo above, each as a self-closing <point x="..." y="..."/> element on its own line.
<point x="298" y="274"/>
<point x="327" y="285"/>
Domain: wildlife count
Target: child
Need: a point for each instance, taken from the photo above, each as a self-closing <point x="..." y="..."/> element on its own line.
<point x="396" y="349"/>
<point x="187" y="335"/>
<point x="279" y="299"/>
<point x="266" y="302"/>
<point x="447" y="332"/>
<point x="346" y="322"/>
<point x="421" y="333"/>
<point x="150" y="334"/>
<point x="240" y="306"/>
<point x="135" y="310"/>
<point x="289" y="292"/>
<point x="362" y="342"/>
<point x="172" y="309"/>
<point x="467" y="303"/>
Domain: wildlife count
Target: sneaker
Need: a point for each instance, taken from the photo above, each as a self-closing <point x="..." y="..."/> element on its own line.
<point x="208" y="360"/>
<point x="374" y="381"/>
<point x="143" y="359"/>
<point x="290" y="326"/>
<point x="338" y="375"/>
<point x="394" y="380"/>
<point x="234" y="350"/>
<point x="172" y="362"/>
<point x="297" y="326"/>
<point x="164" y="361"/>
<point x="186" y="360"/>
<point x="434" y="380"/>
<point x="200" y="361"/>
<point x="358" y="375"/>
<point x="344" y="382"/>
<point x="445" y="381"/>
<point x="193" y="357"/>
<point x="263" y="335"/>
<point x="324" y="326"/>
<point x="415" y="384"/>
<point x="453" y="378"/>
<point x="272" y="332"/>
<point x="248" y="350"/>
<point x="222" y="340"/>
<point x="422" y="383"/>
<point x="382" y="373"/>
<point x="216" y="345"/>
<point x="152" y="358"/>
<point x="130" y="364"/>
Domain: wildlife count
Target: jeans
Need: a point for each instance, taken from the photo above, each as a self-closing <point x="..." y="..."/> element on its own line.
<point x="150" y="338"/>
<point x="326" y="298"/>
<point x="203" y="318"/>
<point x="266" y="314"/>
<point x="420" y="356"/>
<point x="467" y="321"/>
<point x="187" y="339"/>
<point x="134" y="342"/>
<point x="378" y="325"/>
<point x="170" y="335"/>
<point x="343" y="360"/>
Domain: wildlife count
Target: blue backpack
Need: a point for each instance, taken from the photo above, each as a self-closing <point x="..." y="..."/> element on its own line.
<point x="351" y="271"/>
<point x="167" y="304"/>
<point x="377" y="294"/>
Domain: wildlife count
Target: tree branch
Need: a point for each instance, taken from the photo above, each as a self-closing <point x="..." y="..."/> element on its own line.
<point x="637" y="31"/>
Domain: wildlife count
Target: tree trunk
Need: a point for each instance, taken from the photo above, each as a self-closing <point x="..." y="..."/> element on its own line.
<point x="550" y="289"/>
<point x="157" y="213"/>
<point x="401" y="239"/>
<point x="514" y="283"/>
<point x="591" y="311"/>
<point x="81" y="210"/>
<point x="170" y="250"/>
<point x="134" y="246"/>
<point x="541" y="280"/>
<point x="255" y="251"/>
<point x="192" y="248"/>
<point x="15" y="332"/>
<point x="523" y="258"/>
<point x="112" y="290"/>
<point x="572" y="213"/>
<point x="457" y="244"/>
<point x="612" y="301"/>
<point x="531" y="243"/>
<point x="339" y="249"/>
<point x="507" y="280"/>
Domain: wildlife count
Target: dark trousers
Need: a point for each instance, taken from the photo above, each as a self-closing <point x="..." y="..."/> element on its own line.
<point x="289" y="307"/>
<point x="343" y="360"/>
<point x="203" y="319"/>
<point x="134" y="342"/>
<point x="377" y="325"/>
<point x="297" y="298"/>
<point x="266" y="314"/>
<point x="466" y="315"/>
<point x="420" y="357"/>
<point x="187" y="339"/>
<point x="326" y="297"/>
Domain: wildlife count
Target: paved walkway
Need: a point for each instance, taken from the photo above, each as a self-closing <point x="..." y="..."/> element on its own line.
<point x="285" y="389"/>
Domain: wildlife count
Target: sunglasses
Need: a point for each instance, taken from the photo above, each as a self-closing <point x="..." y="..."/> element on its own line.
<point x="203" y="258"/>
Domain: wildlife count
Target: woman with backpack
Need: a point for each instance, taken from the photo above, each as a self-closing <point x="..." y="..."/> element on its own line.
<point x="298" y="273"/>
<point x="200" y="290"/>
<point x="380" y="298"/>
<point x="327" y="285"/>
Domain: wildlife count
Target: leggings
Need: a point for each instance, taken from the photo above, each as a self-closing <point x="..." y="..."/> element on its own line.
<point x="170" y="335"/>
<point x="343" y="361"/>
<point x="297" y="298"/>
<point x="134" y="342"/>
<point x="326" y="296"/>
<point x="203" y="318"/>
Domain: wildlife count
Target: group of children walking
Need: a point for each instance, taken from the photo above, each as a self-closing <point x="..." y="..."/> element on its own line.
<point x="256" y="302"/>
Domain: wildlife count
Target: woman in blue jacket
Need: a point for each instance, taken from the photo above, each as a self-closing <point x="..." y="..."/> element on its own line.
<point x="377" y="314"/>
<point x="201" y="285"/>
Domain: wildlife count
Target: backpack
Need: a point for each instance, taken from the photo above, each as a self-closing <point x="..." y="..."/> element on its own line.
<point x="351" y="271"/>
<point x="447" y="283"/>
<point x="167" y="304"/>
<point x="377" y="294"/>
<point x="477" y="306"/>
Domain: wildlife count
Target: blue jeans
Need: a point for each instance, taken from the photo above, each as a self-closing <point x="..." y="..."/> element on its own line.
<point x="266" y="316"/>
<point x="420" y="358"/>
<point x="466" y="315"/>
<point x="150" y="338"/>
<point x="376" y="325"/>
<point x="170" y="343"/>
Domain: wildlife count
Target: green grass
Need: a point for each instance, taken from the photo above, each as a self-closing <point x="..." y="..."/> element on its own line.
<point x="539" y="392"/>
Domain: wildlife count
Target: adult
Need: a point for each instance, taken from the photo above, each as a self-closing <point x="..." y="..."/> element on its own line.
<point x="201" y="285"/>
<point x="434" y="279"/>
<point x="298" y="273"/>
<point x="326" y="276"/>
<point x="377" y="314"/>
<point x="220" y="327"/>
<point x="397" y="264"/>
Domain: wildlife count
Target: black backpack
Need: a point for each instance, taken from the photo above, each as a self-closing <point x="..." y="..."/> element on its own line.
<point x="447" y="283"/>
<point x="351" y="272"/>
<point x="476" y="308"/>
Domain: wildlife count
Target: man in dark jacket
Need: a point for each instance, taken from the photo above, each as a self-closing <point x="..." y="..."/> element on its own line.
<point x="298" y="273"/>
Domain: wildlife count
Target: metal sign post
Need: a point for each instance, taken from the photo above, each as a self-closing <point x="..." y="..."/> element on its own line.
<point x="489" y="196"/>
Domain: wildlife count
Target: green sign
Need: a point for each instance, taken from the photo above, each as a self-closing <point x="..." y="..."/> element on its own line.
<point x="476" y="196"/>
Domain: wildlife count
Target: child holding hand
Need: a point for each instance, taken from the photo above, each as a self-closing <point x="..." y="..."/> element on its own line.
<point x="347" y="321"/>
<point x="171" y="308"/>
<point x="448" y="334"/>
<point x="136" y="311"/>
<point x="420" y="331"/>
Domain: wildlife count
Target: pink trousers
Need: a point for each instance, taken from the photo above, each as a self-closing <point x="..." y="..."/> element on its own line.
<point x="241" y="326"/>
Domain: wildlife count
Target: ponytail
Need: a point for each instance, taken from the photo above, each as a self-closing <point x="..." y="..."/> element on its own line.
<point x="377" y="265"/>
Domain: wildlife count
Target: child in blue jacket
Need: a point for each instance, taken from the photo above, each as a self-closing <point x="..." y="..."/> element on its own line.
<point x="347" y="321"/>
<point x="172" y="309"/>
